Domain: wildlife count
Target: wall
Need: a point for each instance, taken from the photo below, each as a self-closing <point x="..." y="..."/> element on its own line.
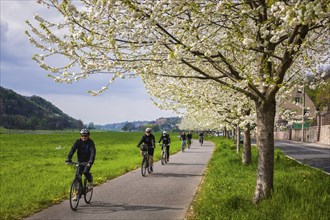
<point x="310" y="135"/>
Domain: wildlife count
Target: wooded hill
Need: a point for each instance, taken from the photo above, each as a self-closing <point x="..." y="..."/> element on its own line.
<point x="22" y="112"/>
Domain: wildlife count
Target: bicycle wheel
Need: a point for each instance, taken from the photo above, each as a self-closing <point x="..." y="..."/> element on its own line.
<point x="88" y="193"/>
<point x="144" y="166"/>
<point x="75" y="194"/>
<point x="148" y="165"/>
<point x="163" y="160"/>
<point x="182" y="147"/>
<point x="165" y="157"/>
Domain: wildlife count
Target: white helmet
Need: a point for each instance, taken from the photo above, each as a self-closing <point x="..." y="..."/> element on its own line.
<point x="164" y="132"/>
<point x="84" y="131"/>
<point x="148" y="130"/>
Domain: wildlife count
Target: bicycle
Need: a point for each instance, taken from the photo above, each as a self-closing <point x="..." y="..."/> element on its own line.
<point x="183" y="145"/>
<point x="79" y="187"/>
<point x="145" y="162"/>
<point x="164" y="154"/>
<point x="201" y="140"/>
<point x="189" y="143"/>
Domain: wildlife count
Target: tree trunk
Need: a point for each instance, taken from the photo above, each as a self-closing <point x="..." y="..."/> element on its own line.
<point x="246" y="156"/>
<point x="265" y="143"/>
<point x="238" y="138"/>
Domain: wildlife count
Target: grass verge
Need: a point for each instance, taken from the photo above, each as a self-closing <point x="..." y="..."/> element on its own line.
<point x="300" y="192"/>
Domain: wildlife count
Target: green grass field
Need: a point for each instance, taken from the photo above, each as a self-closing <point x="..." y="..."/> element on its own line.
<point x="33" y="173"/>
<point x="300" y="192"/>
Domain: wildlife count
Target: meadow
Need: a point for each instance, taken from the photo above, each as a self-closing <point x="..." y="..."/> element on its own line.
<point x="300" y="192"/>
<point x="34" y="175"/>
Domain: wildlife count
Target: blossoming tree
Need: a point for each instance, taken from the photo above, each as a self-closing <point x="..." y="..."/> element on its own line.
<point x="207" y="104"/>
<point x="252" y="47"/>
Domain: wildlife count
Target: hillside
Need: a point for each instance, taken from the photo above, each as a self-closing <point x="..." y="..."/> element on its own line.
<point x="22" y="112"/>
<point x="168" y="124"/>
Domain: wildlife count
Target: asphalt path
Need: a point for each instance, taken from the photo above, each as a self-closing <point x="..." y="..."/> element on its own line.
<point x="311" y="154"/>
<point x="164" y="194"/>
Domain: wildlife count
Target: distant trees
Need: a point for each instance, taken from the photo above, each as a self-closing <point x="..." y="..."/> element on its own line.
<point x="169" y="124"/>
<point x="129" y="127"/>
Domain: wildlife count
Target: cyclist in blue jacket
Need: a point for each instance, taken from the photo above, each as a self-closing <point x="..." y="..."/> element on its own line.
<point x="86" y="151"/>
<point x="148" y="141"/>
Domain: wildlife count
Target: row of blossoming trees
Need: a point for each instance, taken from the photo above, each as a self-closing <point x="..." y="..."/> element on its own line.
<point x="225" y="61"/>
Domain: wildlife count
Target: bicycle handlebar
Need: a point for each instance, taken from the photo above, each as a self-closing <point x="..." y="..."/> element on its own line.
<point x="77" y="163"/>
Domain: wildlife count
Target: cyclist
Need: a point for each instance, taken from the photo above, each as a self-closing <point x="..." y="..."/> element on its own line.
<point x="201" y="138"/>
<point x="86" y="151"/>
<point x="148" y="141"/>
<point x="189" y="137"/>
<point x="183" y="138"/>
<point x="166" y="141"/>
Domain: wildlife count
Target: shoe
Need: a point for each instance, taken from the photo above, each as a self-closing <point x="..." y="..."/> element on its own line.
<point x="90" y="186"/>
<point x="75" y="198"/>
<point x="151" y="170"/>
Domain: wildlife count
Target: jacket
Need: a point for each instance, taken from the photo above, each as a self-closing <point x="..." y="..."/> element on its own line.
<point x="165" y="138"/>
<point x="86" y="151"/>
<point x="149" y="141"/>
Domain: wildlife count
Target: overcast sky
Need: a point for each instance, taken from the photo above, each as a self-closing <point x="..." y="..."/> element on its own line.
<point x="126" y="100"/>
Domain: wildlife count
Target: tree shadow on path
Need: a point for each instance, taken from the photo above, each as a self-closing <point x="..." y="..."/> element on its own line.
<point x="102" y="207"/>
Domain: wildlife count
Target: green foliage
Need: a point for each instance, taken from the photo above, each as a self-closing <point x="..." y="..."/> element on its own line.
<point x="300" y="192"/>
<point x="20" y="112"/>
<point x="33" y="173"/>
<point x="129" y="127"/>
<point x="320" y="95"/>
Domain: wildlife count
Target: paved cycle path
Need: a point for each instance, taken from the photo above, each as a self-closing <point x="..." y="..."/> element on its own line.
<point x="164" y="194"/>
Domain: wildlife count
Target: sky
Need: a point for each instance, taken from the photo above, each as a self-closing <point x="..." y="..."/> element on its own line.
<point x="125" y="100"/>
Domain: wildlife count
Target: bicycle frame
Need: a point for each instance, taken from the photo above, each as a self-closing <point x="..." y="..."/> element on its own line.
<point x="183" y="145"/>
<point x="79" y="187"/>
<point x="189" y="143"/>
<point x="201" y="140"/>
<point x="145" y="163"/>
<point x="164" y="154"/>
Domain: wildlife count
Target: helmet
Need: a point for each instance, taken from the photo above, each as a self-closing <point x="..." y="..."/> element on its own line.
<point x="84" y="131"/>
<point x="164" y="132"/>
<point x="148" y="130"/>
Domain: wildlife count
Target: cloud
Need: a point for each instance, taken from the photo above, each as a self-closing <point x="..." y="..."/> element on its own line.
<point x="126" y="100"/>
<point x="107" y="108"/>
<point x="3" y="29"/>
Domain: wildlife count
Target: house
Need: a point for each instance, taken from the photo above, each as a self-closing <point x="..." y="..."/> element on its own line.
<point x="289" y="122"/>
<point x="296" y="103"/>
